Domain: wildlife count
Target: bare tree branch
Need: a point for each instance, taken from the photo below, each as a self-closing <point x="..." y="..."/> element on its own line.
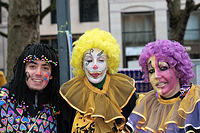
<point x="174" y="17"/>
<point x="3" y="34"/>
<point x="189" y="5"/>
<point x="47" y="10"/>
<point x="196" y="7"/>
<point x="170" y="7"/>
<point x="5" y="5"/>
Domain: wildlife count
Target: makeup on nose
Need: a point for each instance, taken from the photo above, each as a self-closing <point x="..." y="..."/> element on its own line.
<point x="38" y="73"/>
<point x="95" y="66"/>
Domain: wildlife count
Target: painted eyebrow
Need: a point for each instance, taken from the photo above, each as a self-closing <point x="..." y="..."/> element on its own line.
<point x="149" y="65"/>
<point x="100" y="53"/>
<point x="91" y="51"/>
<point x="88" y="54"/>
<point x="164" y="63"/>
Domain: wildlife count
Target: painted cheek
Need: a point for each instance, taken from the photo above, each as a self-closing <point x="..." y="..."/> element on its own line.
<point x="100" y="62"/>
<point x="87" y="64"/>
<point x="46" y="77"/>
<point x="152" y="76"/>
<point x="27" y="75"/>
<point x="171" y="79"/>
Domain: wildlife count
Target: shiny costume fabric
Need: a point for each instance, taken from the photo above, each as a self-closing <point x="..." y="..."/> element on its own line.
<point x="153" y="114"/>
<point x="98" y="108"/>
<point x="13" y="119"/>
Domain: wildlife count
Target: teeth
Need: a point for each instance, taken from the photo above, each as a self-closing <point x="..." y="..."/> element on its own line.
<point x="38" y="80"/>
<point x="161" y="84"/>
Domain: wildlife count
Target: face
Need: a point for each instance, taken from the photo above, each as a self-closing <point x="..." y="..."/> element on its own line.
<point x="38" y="74"/>
<point x="95" y="65"/>
<point x="162" y="77"/>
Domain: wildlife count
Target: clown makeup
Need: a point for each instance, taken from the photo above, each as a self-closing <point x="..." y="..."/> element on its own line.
<point x="162" y="77"/>
<point x="38" y="74"/>
<point x="95" y="65"/>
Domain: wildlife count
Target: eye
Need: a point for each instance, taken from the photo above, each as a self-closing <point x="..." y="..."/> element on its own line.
<point x="163" y="68"/>
<point x="88" y="61"/>
<point x="32" y="66"/>
<point x="46" y="68"/>
<point x="151" y="71"/>
<point x="101" y="60"/>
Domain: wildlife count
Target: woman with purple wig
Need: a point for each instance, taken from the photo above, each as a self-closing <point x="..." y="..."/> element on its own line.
<point x="173" y="106"/>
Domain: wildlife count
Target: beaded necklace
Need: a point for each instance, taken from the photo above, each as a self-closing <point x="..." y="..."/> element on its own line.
<point x="183" y="91"/>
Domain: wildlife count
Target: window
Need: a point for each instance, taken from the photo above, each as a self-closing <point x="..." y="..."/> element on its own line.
<point x="88" y="10"/>
<point x="75" y="37"/>
<point x="192" y="33"/>
<point x="51" y="40"/>
<point x="53" y="15"/>
<point x="138" y="28"/>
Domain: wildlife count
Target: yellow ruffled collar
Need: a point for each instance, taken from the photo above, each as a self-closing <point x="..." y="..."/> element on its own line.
<point x="157" y="113"/>
<point x="96" y="90"/>
<point x="94" y="103"/>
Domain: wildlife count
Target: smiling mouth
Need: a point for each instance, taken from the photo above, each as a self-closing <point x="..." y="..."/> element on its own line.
<point x="38" y="81"/>
<point x="160" y="85"/>
<point x="95" y="74"/>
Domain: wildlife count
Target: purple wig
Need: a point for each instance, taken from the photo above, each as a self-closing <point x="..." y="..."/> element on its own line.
<point x="171" y="52"/>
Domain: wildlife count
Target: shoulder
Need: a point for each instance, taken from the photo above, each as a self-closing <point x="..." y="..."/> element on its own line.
<point x="2" y="79"/>
<point x="1" y="73"/>
<point x="122" y="78"/>
<point x="3" y="92"/>
<point x="3" y="95"/>
<point x="6" y="86"/>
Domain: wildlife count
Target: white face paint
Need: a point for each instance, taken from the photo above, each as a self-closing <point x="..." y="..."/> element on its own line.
<point x="95" y="65"/>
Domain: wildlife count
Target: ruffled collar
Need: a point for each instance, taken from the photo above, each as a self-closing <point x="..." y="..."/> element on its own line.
<point x="94" y="103"/>
<point x="156" y="114"/>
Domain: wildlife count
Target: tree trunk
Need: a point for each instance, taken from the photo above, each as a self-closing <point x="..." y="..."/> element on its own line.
<point x="178" y="18"/>
<point x="23" y="28"/>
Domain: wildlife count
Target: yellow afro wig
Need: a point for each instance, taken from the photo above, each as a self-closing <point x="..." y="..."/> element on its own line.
<point x="100" y="39"/>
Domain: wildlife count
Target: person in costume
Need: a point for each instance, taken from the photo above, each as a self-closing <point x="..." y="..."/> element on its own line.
<point x="2" y="79"/>
<point x="173" y="105"/>
<point x="29" y="103"/>
<point x="101" y="98"/>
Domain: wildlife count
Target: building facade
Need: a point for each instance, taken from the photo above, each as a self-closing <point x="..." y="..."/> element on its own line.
<point x="133" y="23"/>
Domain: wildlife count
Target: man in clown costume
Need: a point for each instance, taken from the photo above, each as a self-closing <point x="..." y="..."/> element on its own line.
<point x="100" y="97"/>
<point x="29" y="103"/>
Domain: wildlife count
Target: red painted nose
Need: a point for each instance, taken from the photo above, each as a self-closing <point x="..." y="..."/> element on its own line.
<point x="38" y="73"/>
<point x="95" y="66"/>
